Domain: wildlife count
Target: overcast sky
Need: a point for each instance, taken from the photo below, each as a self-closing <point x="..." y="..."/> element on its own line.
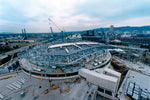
<point x="72" y="15"/>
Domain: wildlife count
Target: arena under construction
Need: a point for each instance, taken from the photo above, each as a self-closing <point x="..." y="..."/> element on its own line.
<point x="58" y="61"/>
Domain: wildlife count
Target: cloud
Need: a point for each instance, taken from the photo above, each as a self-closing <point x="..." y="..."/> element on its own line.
<point x="72" y="15"/>
<point x="134" y="21"/>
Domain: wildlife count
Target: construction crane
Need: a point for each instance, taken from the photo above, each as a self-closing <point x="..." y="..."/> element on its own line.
<point x="61" y="30"/>
<point x="24" y="35"/>
<point x="52" y="34"/>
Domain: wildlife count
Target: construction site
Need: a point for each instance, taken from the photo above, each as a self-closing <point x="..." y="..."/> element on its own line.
<point x="72" y="67"/>
<point x="74" y="50"/>
<point x="73" y="70"/>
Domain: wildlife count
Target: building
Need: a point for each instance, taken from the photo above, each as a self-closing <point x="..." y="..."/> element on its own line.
<point x="62" y="61"/>
<point x="106" y="79"/>
<point x="99" y="36"/>
<point x="148" y="56"/>
<point x="111" y="29"/>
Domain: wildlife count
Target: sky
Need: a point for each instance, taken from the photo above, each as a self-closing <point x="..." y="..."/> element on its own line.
<point x="71" y="15"/>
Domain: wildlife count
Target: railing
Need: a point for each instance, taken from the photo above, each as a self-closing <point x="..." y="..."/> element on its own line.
<point x="47" y="75"/>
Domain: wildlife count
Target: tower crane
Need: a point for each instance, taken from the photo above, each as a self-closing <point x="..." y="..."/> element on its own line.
<point x="61" y="30"/>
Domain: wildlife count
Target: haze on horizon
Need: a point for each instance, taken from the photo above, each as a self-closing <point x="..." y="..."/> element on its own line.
<point x="72" y="15"/>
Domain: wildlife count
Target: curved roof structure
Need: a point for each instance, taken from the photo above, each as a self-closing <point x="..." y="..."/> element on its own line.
<point x="68" y="44"/>
<point x="66" y="58"/>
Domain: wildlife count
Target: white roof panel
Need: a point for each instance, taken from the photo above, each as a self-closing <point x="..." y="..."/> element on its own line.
<point x="112" y="72"/>
<point x="67" y="44"/>
<point x="106" y="77"/>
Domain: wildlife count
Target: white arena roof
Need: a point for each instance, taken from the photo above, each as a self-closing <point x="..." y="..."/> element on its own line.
<point x="67" y="44"/>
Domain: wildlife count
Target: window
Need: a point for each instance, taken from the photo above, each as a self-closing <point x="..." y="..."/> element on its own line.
<point x="108" y="92"/>
<point x="100" y="89"/>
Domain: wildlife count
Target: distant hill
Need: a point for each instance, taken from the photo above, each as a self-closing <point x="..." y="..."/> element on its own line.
<point x="129" y="28"/>
<point x="125" y="28"/>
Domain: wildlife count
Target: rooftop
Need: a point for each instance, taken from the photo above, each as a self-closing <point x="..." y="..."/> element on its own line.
<point x="138" y="79"/>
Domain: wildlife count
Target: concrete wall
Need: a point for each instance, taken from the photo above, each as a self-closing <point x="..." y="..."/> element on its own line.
<point x="105" y="81"/>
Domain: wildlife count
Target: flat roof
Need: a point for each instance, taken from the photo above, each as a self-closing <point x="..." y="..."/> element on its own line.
<point x="67" y="44"/>
<point x="139" y="79"/>
<point x="112" y="72"/>
<point x="100" y="75"/>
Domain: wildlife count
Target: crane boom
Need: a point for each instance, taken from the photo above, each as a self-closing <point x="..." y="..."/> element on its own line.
<point x="58" y="29"/>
